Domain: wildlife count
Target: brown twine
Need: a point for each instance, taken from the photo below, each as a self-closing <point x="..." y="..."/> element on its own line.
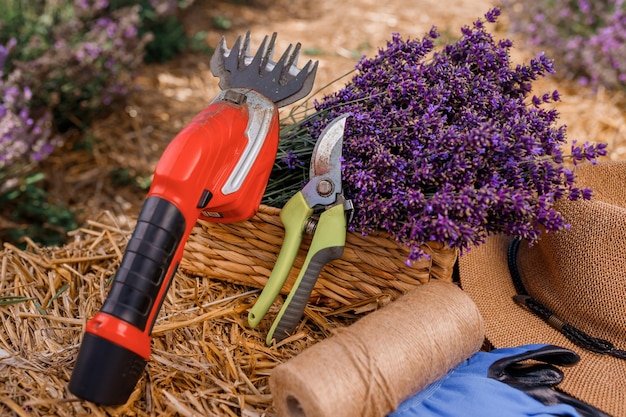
<point x="370" y="367"/>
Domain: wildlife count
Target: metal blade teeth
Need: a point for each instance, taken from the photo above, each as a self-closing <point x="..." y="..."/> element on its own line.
<point x="269" y="53"/>
<point x="279" y="69"/>
<point x="235" y="54"/>
<point x="260" y="58"/>
<point x="294" y="57"/>
<point x="281" y="81"/>
<point x="245" y="51"/>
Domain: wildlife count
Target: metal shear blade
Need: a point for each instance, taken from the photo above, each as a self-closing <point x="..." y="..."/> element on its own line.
<point x="281" y="81"/>
<point x="325" y="168"/>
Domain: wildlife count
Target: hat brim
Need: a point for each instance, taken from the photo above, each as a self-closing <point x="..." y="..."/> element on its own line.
<point x="597" y="379"/>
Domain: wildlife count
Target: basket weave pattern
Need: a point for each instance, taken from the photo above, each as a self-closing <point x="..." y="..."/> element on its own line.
<point x="371" y="266"/>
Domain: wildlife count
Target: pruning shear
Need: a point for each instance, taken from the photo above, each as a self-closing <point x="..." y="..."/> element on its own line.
<point x="319" y="209"/>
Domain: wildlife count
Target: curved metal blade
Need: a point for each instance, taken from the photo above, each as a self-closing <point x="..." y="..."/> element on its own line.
<point x="325" y="168"/>
<point x="327" y="151"/>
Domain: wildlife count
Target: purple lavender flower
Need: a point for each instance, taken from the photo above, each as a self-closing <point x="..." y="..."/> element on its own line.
<point x="86" y="61"/>
<point x="4" y="52"/>
<point x="587" y="38"/>
<point x="90" y="6"/>
<point x="24" y="134"/>
<point x="587" y="152"/>
<point x="89" y="64"/>
<point x="449" y="145"/>
<point x="291" y="159"/>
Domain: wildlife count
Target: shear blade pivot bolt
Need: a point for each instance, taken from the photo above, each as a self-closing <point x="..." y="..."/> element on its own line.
<point x="325" y="188"/>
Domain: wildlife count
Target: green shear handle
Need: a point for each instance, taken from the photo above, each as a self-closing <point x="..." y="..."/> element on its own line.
<point x="327" y="245"/>
<point x="293" y="215"/>
<point x="322" y="193"/>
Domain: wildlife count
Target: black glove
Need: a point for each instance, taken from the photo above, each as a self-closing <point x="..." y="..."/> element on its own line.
<point x="538" y="377"/>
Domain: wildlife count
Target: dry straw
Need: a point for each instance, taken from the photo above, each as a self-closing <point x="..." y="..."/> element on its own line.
<point x="205" y="360"/>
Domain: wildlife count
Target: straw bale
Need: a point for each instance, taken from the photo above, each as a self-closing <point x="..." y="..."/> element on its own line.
<point x="205" y="360"/>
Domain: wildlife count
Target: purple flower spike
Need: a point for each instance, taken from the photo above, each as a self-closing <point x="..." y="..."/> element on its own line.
<point x="450" y="145"/>
<point x="587" y="38"/>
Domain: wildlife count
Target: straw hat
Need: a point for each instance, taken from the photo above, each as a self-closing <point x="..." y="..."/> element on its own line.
<point x="577" y="276"/>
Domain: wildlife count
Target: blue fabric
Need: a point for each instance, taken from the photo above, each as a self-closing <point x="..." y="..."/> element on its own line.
<point x="467" y="391"/>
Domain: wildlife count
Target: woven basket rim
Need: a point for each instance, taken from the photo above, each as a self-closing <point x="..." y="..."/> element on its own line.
<point x="275" y="211"/>
<point x="371" y="264"/>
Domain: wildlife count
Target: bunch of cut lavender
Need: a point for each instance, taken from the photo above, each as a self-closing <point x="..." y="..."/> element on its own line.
<point x="87" y="61"/>
<point x="66" y="64"/>
<point x="450" y="145"/>
<point x="25" y="132"/>
<point x="587" y="38"/>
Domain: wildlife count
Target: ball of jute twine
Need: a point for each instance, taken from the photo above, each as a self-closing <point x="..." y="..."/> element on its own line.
<point x="370" y="367"/>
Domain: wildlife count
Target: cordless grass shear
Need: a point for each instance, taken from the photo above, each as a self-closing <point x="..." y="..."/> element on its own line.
<point x="215" y="169"/>
<point x="319" y="209"/>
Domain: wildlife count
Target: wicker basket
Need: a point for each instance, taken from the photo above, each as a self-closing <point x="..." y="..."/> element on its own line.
<point x="371" y="266"/>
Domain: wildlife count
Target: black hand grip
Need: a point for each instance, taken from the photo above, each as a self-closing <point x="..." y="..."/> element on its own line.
<point x="293" y="309"/>
<point x="147" y="258"/>
<point x="109" y="365"/>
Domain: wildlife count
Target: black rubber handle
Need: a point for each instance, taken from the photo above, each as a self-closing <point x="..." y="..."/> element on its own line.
<point x="107" y="369"/>
<point x="148" y="257"/>
<point x="293" y="309"/>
